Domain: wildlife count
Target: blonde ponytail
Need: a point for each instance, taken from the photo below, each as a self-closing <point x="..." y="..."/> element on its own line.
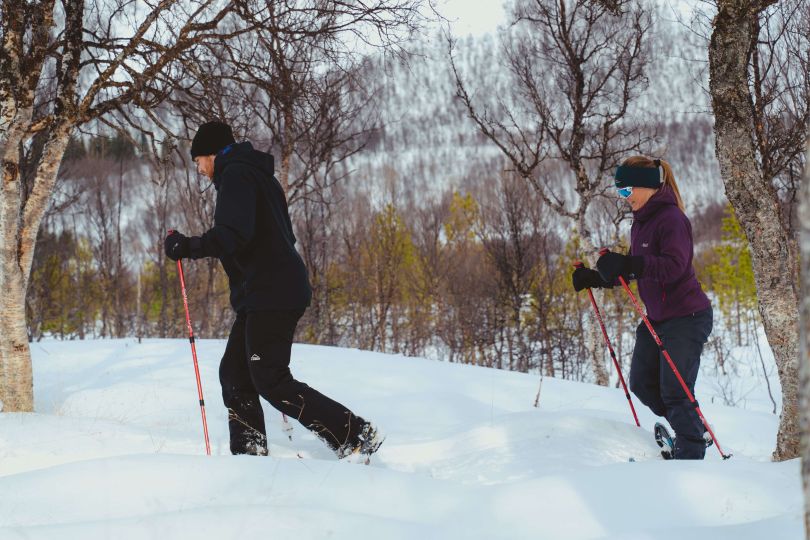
<point x="669" y="181"/>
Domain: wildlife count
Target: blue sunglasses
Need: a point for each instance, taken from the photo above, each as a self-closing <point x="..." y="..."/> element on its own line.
<point x="625" y="192"/>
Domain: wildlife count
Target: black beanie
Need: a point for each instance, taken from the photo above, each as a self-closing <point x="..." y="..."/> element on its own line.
<point x="211" y="137"/>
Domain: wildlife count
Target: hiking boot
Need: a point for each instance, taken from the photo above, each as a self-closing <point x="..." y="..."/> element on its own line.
<point x="368" y="442"/>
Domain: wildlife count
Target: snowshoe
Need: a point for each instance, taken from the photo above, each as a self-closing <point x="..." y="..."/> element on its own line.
<point x="664" y="440"/>
<point x="368" y="442"/>
<point x="370" y="439"/>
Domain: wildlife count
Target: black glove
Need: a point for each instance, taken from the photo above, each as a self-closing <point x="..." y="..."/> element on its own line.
<point x="612" y="265"/>
<point x="585" y="278"/>
<point x="177" y="246"/>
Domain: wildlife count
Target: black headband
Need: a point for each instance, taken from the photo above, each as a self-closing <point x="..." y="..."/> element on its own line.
<point x="638" y="176"/>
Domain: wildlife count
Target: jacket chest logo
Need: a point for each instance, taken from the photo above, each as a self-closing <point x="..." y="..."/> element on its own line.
<point x="645" y="244"/>
<point x="255" y="358"/>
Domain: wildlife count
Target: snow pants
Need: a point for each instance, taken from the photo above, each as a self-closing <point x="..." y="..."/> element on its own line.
<point x="655" y="384"/>
<point x="257" y="363"/>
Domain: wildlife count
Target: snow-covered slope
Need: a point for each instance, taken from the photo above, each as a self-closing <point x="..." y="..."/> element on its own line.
<point x="116" y="451"/>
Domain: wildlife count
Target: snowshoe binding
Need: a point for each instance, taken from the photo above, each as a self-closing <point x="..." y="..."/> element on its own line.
<point x="708" y="438"/>
<point x="665" y="441"/>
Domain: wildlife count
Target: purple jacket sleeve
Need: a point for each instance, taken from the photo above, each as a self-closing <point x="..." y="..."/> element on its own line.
<point x="675" y="245"/>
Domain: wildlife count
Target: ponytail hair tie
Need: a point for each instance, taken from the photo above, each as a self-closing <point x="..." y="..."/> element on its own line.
<point x="657" y="162"/>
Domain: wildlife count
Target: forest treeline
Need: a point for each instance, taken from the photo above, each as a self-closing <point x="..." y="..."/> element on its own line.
<point x="479" y="275"/>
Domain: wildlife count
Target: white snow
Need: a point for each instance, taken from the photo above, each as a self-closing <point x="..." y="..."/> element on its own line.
<point x="115" y="450"/>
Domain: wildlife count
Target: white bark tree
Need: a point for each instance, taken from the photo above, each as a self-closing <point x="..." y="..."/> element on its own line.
<point x="804" y="358"/>
<point x="746" y="166"/>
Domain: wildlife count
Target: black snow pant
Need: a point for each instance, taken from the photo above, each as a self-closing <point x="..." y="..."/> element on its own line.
<point x="655" y="384"/>
<point x="257" y="363"/>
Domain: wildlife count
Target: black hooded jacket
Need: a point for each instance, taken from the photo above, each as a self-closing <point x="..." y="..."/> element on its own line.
<point x="252" y="234"/>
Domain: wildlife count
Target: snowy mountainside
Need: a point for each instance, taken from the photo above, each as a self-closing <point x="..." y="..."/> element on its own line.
<point x="429" y="141"/>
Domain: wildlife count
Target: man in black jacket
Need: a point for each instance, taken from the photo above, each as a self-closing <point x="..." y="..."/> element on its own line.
<point x="253" y="239"/>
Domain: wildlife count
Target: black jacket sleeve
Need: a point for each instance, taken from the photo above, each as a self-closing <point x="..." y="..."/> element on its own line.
<point x="234" y="217"/>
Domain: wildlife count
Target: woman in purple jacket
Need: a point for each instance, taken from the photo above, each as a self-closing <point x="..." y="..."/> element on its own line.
<point x="660" y="259"/>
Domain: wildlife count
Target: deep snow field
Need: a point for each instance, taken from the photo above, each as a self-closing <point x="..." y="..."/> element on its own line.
<point x="115" y="450"/>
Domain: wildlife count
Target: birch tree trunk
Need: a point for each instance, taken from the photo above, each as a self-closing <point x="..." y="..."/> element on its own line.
<point x="593" y="339"/>
<point x="18" y="239"/>
<point x="21" y="207"/>
<point x="755" y="200"/>
<point x="804" y="359"/>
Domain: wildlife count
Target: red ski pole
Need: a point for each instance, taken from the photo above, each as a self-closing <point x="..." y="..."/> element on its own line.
<point x="194" y="355"/>
<point x="579" y="264"/>
<point x="670" y="362"/>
